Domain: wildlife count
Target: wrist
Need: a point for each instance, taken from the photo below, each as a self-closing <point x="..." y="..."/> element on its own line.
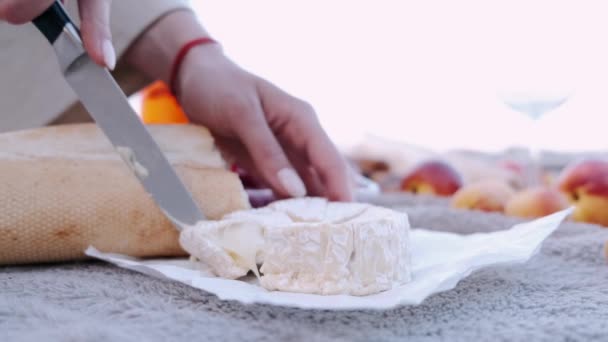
<point x="155" y="51"/>
<point x="178" y="61"/>
<point x="198" y="61"/>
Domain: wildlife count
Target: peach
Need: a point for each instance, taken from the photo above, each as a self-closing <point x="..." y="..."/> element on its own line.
<point x="586" y="185"/>
<point x="433" y="177"/>
<point x="536" y="202"/>
<point x="485" y="195"/>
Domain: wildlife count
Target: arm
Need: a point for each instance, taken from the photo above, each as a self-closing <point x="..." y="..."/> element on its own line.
<point x="155" y="50"/>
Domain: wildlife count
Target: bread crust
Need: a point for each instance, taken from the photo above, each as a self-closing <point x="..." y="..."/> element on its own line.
<point x="65" y="188"/>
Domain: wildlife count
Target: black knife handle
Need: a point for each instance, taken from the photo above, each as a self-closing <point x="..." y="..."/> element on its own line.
<point x="52" y="21"/>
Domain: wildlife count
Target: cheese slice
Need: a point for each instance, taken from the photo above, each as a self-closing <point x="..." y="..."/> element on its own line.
<point x="308" y="245"/>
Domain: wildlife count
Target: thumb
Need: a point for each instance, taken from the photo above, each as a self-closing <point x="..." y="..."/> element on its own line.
<point x="95" y="28"/>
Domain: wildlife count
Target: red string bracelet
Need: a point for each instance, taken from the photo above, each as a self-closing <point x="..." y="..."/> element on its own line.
<point x="179" y="58"/>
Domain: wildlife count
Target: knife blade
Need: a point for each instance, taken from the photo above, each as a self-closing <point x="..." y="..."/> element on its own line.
<point x="109" y="107"/>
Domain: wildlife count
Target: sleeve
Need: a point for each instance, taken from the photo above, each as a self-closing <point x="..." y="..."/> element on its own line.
<point x="130" y="18"/>
<point x="33" y="92"/>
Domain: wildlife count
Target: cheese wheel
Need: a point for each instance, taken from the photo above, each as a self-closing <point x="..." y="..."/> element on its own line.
<point x="308" y="245"/>
<point x="64" y="188"/>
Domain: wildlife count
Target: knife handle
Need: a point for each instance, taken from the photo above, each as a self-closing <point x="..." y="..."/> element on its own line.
<point x="52" y="21"/>
<point x="56" y="25"/>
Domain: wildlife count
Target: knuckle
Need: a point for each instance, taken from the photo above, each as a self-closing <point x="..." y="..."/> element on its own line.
<point x="237" y="109"/>
<point x="306" y="107"/>
<point x="305" y="110"/>
<point x="270" y="153"/>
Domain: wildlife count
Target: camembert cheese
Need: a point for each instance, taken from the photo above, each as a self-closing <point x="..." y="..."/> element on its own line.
<point x="308" y="245"/>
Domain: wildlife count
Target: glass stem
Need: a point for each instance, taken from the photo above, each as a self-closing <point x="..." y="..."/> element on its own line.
<point x="535" y="151"/>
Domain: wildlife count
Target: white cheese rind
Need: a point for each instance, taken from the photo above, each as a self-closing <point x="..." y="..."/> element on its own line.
<point x="203" y="244"/>
<point x="309" y="245"/>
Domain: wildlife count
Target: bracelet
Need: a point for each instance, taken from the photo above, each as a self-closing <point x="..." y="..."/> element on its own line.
<point x="179" y="58"/>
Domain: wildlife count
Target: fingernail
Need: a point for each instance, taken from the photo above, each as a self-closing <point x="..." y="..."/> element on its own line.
<point x="291" y="182"/>
<point x="109" y="55"/>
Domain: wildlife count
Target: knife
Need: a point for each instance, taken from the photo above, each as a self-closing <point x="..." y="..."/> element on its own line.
<point x="110" y="109"/>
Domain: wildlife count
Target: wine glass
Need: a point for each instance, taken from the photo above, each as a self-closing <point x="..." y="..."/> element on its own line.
<point x="535" y="104"/>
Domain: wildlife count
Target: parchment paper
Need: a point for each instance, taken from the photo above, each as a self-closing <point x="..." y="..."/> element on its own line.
<point x="439" y="261"/>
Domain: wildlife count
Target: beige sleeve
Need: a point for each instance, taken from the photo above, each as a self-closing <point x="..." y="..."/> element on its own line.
<point x="33" y="92"/>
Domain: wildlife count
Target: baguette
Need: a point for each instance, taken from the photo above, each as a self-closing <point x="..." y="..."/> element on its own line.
<point x="64" y="188"/>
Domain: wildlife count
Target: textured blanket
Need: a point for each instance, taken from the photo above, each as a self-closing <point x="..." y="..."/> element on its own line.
<point x="561" y="294"/>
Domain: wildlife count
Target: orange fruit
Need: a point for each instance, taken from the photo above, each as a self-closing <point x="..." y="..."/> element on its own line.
<point x="159" y="106"/>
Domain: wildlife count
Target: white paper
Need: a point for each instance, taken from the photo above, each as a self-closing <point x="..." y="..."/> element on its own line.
<point x="439" y="261"/>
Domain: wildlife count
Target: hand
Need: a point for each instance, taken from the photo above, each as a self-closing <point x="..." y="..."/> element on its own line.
<point x="275" y="137"/>
<point x="95" y="28"/>
<point x="271" y="134"/>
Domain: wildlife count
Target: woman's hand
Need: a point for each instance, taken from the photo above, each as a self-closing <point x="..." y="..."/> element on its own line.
<point x="94" y="16"/>
<point x="270" y="133"/>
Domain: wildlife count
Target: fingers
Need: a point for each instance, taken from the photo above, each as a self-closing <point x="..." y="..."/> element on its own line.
<point x="266" y="153"/>
<point x="22" y="11"/>
<point x="236" y="154"/>
<point x="95" y="28"/>
<point x="300" y="129"/>
<point x="313" y="183"/>
<point x="328" y="163"/>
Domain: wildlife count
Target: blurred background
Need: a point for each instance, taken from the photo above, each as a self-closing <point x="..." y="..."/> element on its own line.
<point x="430" y="73"/>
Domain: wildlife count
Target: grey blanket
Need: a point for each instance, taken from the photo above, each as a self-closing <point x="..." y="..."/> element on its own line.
<point x="562" y="294"/>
